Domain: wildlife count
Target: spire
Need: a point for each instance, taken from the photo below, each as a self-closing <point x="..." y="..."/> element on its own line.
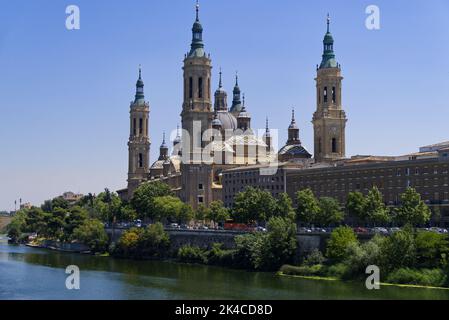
<point x="139" y="88"/>
<point x="267" y="128"/>
<point x="197" y="10"/>
<point x="236" y="99"/>
<point x="220" y="85"/>
<point x="197" y="46"/>
<point x="221" y="97"/>
<point x="328" y="60"/>
<point x="293" y="123"/>
<point x="163" y="145"/>
<point x="178" y="137"/>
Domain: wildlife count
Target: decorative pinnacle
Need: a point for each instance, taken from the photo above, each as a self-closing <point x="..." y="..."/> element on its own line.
<point x="328" y="22"/>
<point x="197" y="10"/>
<point x="220" y="85"/>
<point x="236" y="78"/>
<point x="267" y="129"/>
<point x="163" y="138"/>
<point x="140" y="72"/>
<point x="293" y="115"/>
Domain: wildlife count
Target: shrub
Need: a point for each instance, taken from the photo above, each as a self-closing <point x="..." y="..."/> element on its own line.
<point x="360" y="256"/>
<point x="424" y="277"/>
<point x="92" y="234"/>
<point x="340" y="239"/>
<point x="218" y="256"/>
<point x="399" y="250"/>
<point x="338" y="270"/>
<point x="152" y="242"/>
<point x="192" y="254"/>
<point x="314" y="258"/>
<point x="308" y="271"/>
<point x="431" y="249"/>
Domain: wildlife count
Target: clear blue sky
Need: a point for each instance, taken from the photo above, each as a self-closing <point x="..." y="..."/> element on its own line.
<point x="64" y="95"/>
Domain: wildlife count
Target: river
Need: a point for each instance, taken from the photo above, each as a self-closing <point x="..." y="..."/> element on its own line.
<point x="28" y="273"/>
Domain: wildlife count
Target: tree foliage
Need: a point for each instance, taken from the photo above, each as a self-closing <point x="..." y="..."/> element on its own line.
<point x="338" y="243"/>
<point x="413" y="210"/>
<point x="308" y="207"/>
<point x="254" y="205"/>
<point x="143" y="199"/>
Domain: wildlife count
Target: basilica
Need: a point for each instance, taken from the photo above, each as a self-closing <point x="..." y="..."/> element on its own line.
<point x="215" y="138"/>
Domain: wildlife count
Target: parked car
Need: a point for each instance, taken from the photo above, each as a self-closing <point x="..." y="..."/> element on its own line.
<point x="174" y="226"/>
<point x="261" y="229"/>
<point x="360" y="230"/>
<point x="394" y="229"/>
<point x="380" y="230"/>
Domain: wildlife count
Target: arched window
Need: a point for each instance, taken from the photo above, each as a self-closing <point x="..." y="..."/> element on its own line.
<point x="134" y="127"/>
<point x="140" y="160"/>
<point x="325" y="94"/>
<point x="334" y="145"/>
<point x="190" y="88"/>
<point x="333" y="95"/>
<point x="140" y="126"/>
<point x="200" y="87"/>
<point x="319" y="145"/>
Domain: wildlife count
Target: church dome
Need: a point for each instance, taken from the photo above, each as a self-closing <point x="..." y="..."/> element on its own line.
<point x="227" y="119"/>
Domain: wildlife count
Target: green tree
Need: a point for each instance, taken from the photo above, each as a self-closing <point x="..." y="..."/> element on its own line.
<point x="107" y="206"/>
<point x="128" y="244"/>
<point x="55" y="223"/>
<point x="400" y="249"/>
<point x="413" y="210"/>
<point x="167" y="208"/>
<point x="202" y="213"/>
<point x="330" y="212"/>
<point x="92" y="234"/>
<point x="338" y="243"/>
<point x="356" y="206"/>
<point x="74" y="217"/>
<point x="186" y="214"/>
<point x="36" y="221"/>
<point x="375" y="207"/>
<point x="432" y="249"/>
<point x="308" y="206"/>
<point x="127" y="213"/>
<point x="154" y="241"/>
<point x="59" y="202"/>
<point x="217" y="212"/>
<point x="144" y="195"/>
<point x="284" y="207"/>
<point x="254" y="205"/>
<point x="281" y="243"/>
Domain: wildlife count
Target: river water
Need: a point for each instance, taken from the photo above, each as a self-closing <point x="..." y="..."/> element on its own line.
<point x="27" y="273"/>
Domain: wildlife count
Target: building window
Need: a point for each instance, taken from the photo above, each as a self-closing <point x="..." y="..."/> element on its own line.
<point x="200" y="199"/>
<point x="319" y="145"/>
<point x="200" y="186"/>
<point x="407" y="171"/>
<point x="134" y="126"/>
<point x="140" y="160"/>
<point x="200" y="87"/>
<point x="325" y="94"/>
<point x="190" y="87"/>
<point x="333" y="95"/>
<point x="334" y="145"/>
<point x="140" y="126"/>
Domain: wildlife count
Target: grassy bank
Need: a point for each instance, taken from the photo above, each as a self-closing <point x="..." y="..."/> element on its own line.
<point x="329" y="278"/>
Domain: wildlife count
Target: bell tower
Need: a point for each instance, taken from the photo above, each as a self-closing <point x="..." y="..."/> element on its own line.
<point x="197" y="116"/>
<point x="139" y="140"/>
<point x="329" y="120"/>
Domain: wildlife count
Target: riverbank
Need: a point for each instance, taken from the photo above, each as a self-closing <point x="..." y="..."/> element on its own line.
<point x="319" y="278"/>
